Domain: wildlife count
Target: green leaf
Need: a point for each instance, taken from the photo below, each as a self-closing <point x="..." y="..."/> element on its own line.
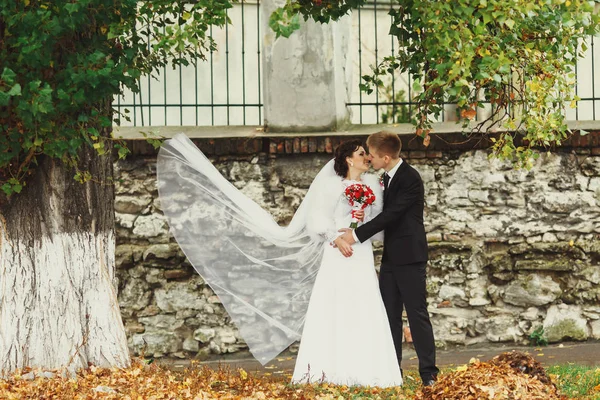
<point x="284" y="22"/>
<point x="72" y="7"/>
<point x="4" y="99"/>
<point x="487" y="18"/>
<point x="122" y="151"/>
<point x="8" y="76"/>
<point x="7" y="188"/>
<point x="416" y="86"/>
<point x="15" y="90"/>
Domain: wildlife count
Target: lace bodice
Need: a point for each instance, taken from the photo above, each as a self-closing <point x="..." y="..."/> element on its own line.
<point x="334" y="211"/>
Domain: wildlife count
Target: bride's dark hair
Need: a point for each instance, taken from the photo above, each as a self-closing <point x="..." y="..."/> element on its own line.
<point x="344" y="150"/>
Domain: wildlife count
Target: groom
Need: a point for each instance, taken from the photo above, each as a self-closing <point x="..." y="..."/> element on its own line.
<point x="403" y="266"/>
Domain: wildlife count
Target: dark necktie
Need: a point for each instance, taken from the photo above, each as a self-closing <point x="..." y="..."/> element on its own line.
<point x="386" y="180"/>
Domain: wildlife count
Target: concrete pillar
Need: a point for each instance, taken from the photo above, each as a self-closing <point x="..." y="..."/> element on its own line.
<point x="306" y="76"/>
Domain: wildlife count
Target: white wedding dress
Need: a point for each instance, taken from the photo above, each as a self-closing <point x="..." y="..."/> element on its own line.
<point x="280" y="284"/>
<point x="346" y="338"/>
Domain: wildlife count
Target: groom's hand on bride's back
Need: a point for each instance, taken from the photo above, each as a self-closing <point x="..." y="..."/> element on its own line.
<point x="344" y="247"/>
<point x="347" y="236"/>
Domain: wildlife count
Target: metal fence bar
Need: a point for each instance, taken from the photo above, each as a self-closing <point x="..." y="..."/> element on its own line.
<point x="258" y="59"/>
<point x="119" y="107"/>
<point x="180" y="95"/>
<point x="360" y="62"/>
<point x="165" y="85"/>
<point x="196" y="90"/>
<point x="212" y="82"/>
<point x="141" y="103"/>
<point x="593" y="83"/>
<point x="149" y="80"/>
<point x="227" y="63"/>
<point x="410" y="102"/>
<point x="134" y="111"/>
<point x="576" y="89"/>
<point x="376" y="54"/>
<point x="394" y="106"/>
<point x="243" y="65"/>
<point x="202" y="105"/>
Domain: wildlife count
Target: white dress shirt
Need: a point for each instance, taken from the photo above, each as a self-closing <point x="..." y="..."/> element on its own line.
<point x="393" y="171"/>
<point x="391" y="174"/>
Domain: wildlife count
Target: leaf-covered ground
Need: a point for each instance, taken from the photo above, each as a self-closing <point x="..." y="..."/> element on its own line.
<point x="511" y="377"/>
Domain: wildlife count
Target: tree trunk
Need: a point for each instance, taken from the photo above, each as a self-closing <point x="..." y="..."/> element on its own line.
<point x="58" y="300"/>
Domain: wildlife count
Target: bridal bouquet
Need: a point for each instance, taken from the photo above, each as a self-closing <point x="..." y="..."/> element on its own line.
<point x="359" y="196"/>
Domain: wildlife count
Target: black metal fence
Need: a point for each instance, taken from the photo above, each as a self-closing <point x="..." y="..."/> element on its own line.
<point x="394" y="102"/>
<point x="226" y="89"/>
<point x="223" y="90"/>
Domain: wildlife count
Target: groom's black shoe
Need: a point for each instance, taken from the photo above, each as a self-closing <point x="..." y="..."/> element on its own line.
<point x="430" y="381"/>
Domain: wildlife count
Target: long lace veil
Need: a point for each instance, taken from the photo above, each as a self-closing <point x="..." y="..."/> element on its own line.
<point x="263" y="273"/>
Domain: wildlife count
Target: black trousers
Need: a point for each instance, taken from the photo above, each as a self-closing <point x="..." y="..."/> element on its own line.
<point x="404" y="286"/>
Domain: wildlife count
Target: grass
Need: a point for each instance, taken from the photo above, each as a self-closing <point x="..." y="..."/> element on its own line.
<point x="576" y="381"/>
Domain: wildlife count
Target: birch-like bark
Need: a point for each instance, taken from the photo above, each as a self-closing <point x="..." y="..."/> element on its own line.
<point x="58" y="300"/>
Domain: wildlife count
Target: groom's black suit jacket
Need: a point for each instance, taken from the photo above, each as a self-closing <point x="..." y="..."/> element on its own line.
<point x="401" y="220"/>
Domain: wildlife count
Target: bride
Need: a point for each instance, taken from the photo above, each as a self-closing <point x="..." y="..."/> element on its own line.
<point x="282" y="284"/>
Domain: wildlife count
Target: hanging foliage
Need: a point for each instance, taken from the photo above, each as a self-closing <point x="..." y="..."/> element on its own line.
<point x="518" y="56"/>
<point x="62" y="62"/>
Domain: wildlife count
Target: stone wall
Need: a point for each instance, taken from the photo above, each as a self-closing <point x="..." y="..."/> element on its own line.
<point x="511" y="250"/>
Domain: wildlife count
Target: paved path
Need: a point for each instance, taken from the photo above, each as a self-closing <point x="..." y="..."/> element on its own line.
<point x="587" y="353"/>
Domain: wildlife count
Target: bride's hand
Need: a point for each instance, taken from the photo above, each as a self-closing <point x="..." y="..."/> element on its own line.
<point x="343" y="247"/>
<point x="359" y="215"/>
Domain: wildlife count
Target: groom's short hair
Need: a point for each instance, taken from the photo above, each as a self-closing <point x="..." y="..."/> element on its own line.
<point x="385" y="143"/>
